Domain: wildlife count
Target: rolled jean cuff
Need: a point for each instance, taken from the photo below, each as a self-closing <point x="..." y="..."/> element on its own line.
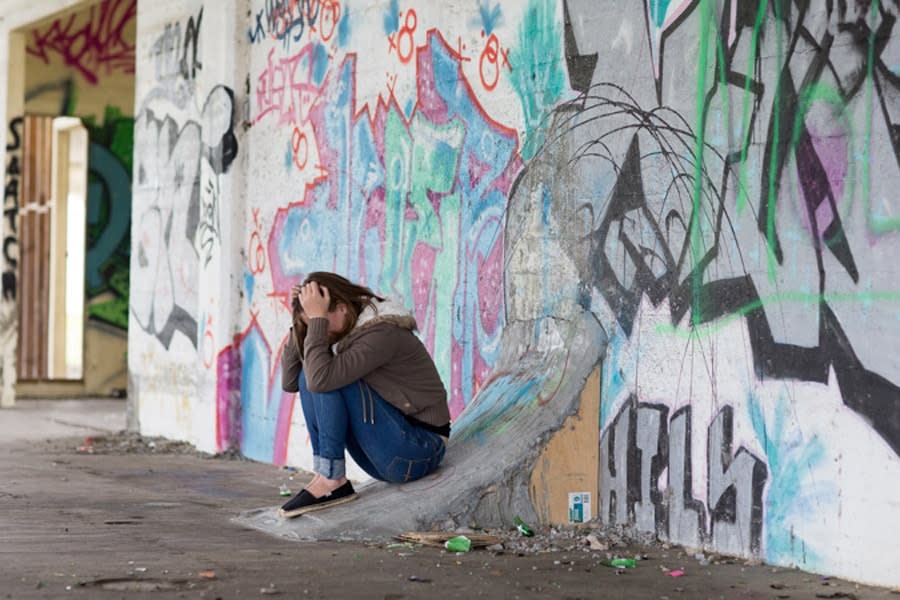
<point x="330" y="468"/>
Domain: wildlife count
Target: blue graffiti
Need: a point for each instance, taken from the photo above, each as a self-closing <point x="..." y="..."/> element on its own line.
<point x="114" y="184"/>
<point x="500" y="404"/>
<point x="260" y="401"/>
<point x="791" y="496"/>
<point x="491" y="16"/>
<point x="344" y="28"/>
<point x="658" y="10"/>
<point x="392" y="17"/>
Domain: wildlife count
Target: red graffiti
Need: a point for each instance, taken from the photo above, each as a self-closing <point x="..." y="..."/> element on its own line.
<point x="496" y="57"/>
<point x="257" y="252"/>
<point x="403" y="43"/>
<point x="391" y="84"/>
<point x="460" y="49"/>
<point x="329" y="17"/>
<point x="92" y="41"/>
<point x="300" y="145"/>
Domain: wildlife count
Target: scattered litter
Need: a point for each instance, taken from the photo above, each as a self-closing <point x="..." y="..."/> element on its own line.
<point x="459" y="543"/>
<point x="675" y="573"/>
<point x="595" y="544"/>
<point x="269" y="591"/>
<point x="418" y="579"/>
<point x="207" y="574"/>
<point x="284" y="490"/>
<point x="140" y="569"/>
<point x="619" y="563"/>
<point x="407" y="545"/>
<point x="523" y="527"/>
<point x="439" y="538"/>
<point x="87" y="447"/>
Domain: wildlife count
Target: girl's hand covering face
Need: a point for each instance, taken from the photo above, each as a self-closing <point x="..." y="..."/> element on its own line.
<point x="315" y="300"/>
<point x="294" y="300"/>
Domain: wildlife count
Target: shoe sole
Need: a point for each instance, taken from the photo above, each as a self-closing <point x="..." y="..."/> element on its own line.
<point x="313" y="507"/>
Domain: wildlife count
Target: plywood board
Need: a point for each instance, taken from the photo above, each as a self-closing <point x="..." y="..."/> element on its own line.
<point x="569" y="461"/>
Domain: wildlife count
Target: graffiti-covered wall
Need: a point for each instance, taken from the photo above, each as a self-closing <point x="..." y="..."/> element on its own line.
<point x="182" y="278"/>
<point x="710" y="181"/>
<point x="384" y="149"/>
<point x="723" y="190"/>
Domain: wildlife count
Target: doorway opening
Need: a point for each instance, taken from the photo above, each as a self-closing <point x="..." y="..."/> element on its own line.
<point x="52" y="253"/>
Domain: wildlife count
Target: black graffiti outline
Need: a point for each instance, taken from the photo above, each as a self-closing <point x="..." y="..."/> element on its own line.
<point x="218" y="108"/>
<point x="11" y="210"/>
<point x="721" y="507"/>
<point x="865" y="392"/>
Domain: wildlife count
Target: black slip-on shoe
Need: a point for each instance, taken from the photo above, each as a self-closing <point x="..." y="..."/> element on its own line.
<point x="305" y="502"/>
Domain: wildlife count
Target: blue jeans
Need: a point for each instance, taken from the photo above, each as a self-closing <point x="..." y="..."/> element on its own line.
<point x="375" y="433"/>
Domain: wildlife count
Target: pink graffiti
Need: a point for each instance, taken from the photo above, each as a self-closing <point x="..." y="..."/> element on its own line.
<point x="830" y="147"/>
<point x="228" y="397"/>
<point x="237" y="391"/>
<point x="284" y="87"/>
<point x="93" y="41"/>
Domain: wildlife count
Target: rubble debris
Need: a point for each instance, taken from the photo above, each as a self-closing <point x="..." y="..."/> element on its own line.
<point x="439" y="538"/>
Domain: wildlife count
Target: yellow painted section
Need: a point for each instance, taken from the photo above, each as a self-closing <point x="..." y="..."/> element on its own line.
<point x="568" y="463"/>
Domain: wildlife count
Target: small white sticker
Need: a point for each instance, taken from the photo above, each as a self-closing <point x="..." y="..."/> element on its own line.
<point x="579" y="507"/>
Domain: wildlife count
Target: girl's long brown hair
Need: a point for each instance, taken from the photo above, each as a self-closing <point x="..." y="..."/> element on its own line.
<point x="342" y="291"/>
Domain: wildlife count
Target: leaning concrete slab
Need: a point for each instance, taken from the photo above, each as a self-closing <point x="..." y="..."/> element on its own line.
<point x="486" y="476"/>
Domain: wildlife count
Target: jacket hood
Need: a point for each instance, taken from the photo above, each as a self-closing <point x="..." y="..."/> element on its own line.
<point x="389" y="310"/>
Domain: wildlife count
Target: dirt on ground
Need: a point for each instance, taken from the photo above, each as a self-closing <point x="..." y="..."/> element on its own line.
<point x="127" y="516"/>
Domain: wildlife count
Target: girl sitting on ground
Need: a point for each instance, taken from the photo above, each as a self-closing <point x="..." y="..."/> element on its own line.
<point x="367" y="385"/>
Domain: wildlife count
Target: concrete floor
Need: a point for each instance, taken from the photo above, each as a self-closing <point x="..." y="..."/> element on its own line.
<point x="143" y="525"/>
<point x="31" y="420"/>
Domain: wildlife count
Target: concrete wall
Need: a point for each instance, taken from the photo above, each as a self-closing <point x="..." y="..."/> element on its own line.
<point x="79" y="61"/>
<point x="711" y="181"/>
<point x="733" y="172"/>
<point x="185" y="269"/>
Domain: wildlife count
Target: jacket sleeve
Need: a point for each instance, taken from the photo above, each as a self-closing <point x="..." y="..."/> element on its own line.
<point x="291" y="363"/>
<point x="326" y="372"/>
